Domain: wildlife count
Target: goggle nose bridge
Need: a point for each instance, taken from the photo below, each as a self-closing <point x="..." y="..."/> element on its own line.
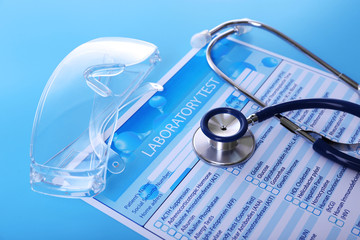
<point x="94" y="74"/>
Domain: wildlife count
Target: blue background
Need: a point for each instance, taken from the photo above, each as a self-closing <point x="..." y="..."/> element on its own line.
<point x="36" y="35"/>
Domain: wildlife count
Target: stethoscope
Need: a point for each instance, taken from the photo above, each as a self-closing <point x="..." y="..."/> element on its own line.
<point x="223" y="138"/>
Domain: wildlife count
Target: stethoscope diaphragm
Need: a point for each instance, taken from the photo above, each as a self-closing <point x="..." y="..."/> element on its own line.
<point x="223" y="138"/>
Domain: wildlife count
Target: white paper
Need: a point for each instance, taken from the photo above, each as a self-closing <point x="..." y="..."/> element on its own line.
<point x="285" y="190"/>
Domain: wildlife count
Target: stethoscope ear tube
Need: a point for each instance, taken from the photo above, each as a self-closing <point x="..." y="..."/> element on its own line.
<point x="319" y="145"/>
<point x="326" y="150"/>
<point x="325" y="103"/>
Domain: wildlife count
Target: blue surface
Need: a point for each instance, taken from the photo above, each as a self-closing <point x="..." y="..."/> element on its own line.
<point x="37" y="35"/>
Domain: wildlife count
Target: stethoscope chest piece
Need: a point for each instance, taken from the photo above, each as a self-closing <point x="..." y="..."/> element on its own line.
<point x="223" y="138"/>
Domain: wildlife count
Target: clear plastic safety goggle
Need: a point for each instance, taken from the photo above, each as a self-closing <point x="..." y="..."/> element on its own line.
<point x="78" y="111"/>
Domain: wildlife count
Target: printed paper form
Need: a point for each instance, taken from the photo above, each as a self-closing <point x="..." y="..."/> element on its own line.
<point x="284" y="191"/>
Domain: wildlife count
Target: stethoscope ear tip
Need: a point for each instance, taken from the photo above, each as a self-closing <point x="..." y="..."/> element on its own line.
<point x="199" y="40"/>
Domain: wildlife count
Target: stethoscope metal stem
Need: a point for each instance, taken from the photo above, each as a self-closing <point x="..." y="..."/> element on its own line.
<point x="223" y="75"/>
<point x="217" y="145"/>
<point x="284" y="121"/>
<point x="225" y="146"/>
<point x="252" y="119"/>
<point x="260" y="25"/>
